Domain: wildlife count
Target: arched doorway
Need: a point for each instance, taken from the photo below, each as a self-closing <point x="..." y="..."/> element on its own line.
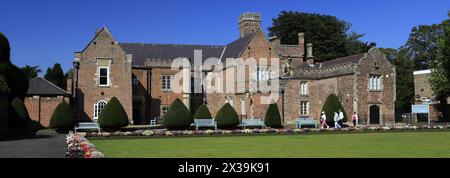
<point x="374" y="114"/>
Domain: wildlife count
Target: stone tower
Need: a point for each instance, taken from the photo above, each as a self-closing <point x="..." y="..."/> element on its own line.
<point x="249" y="22"/>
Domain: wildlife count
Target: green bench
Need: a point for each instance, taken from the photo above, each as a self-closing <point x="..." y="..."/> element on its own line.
<point x="252" y="123"/>
<point x="87" y="126"/>
<point x="305" y="121"/>
<point x="205" y="123"/>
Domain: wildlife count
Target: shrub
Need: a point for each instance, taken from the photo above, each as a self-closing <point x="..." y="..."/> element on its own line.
<point x="18" y="115"/>
<point x="332" y="105"/>
<point x="178" y="116"/>
<point x="273" y="118"/>
<point x="227" y="116"/>
<point x="203" y="113"/>
<point x="113" y="115"/>
<point x="63" y="117"/>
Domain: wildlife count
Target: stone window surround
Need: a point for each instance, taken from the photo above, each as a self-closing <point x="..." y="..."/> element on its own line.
<point x="304" y="88"/>
<point x="381" y="87"/>
<point x="110" y="61"/>
<point x="169" y="85"/>
<point x="304" y="111"/>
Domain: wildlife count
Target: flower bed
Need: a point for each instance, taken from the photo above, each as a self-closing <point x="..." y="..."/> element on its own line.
<point x="80" y="147"/>
<point x="164" y="132"/>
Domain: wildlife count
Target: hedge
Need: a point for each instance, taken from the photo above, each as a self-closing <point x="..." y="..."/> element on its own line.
<point x="203" y="113"/>
<point x="331" y="105"/>
<point x="273" y="118"/>
<point x="63" y="117"/>
<point x="227" y="116"/>
<point x="113" y="115"/>
<point x="178" y="116"/>
<point x="18" y="115"/>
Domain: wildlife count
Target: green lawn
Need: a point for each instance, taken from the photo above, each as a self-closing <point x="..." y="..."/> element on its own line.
<point x="398" y="144"/>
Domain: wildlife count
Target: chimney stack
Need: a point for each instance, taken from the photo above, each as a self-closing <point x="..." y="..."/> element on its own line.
<point x="275" y="42"/>
<point x="309" y="53"/>
<point x="301" y="43"/>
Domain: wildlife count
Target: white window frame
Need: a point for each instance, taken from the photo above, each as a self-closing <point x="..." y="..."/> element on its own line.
<point x="304" y="90"/>
<point x="375" y="82"/>
<point x="96" y="109"/>
<point x="304" y="108"/>
<point x="169" y="77"/>
<point x="107" y="76"/>
<point x="262" y="73"/>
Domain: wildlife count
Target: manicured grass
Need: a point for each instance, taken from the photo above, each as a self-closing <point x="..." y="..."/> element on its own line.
<point x="398" y="144"/>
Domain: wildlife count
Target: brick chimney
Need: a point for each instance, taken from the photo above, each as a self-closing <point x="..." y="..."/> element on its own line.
<point x="249" y="23"/>
<point x="309" y="53"/>
<point x="301" y="44"/>
<point x="275" y="42"/>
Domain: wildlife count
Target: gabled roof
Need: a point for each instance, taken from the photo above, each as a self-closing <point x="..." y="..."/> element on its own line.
<point x="40" y="86"/>
<point x="237" y="47"/>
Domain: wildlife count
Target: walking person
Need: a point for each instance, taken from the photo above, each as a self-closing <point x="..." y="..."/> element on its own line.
<point x="323" y="120"/>
<point x="341" y="117"/>
<point x="336" y="120"/>
<point x="355" y="119"/>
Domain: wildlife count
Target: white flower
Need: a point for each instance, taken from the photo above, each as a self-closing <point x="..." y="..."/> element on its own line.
<point x="148" y="133"/>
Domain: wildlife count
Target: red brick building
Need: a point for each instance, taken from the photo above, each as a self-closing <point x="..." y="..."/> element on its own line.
<point x="140" y="76"/>
<point x="42" y="98"/>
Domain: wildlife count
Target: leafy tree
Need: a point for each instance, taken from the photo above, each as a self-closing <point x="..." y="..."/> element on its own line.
<point x="440" y="76"/>
<point x="203" y="113"/>
<point x="273" y="118"/>
<point x="227" y="116"/>
<point x="178" y="116"/>
<point x="404" y="79"/>
<point x="327" y="33"/>
<point x="16" y="80"/>
<point x="55" y="75"/>
<point x="63" y="117"/>
<point x="422" y="44"/>
<point x="331" y="105"/>
<point x="31" y="71"/>
<point x="4" y="49"/>
<point x="113" y="115"/>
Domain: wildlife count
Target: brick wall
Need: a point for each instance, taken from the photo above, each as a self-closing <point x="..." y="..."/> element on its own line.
<point x="40" y="109"/>
<point x="89" y="92"/>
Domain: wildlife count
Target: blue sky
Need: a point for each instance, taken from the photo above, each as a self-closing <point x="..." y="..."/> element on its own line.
<point x="48" y="31"/>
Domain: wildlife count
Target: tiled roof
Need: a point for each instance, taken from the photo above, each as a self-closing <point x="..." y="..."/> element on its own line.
<point x="353" y="59"/>
<point x="40" y="86"/>
<point x="168" y="52"/>
<point x="141" y="52"/>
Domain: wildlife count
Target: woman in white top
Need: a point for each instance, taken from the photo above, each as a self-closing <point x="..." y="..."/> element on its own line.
<point x="323" y="120"/>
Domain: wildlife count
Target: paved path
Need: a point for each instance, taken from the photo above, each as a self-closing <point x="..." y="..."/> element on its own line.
<point x="44" y="147"/>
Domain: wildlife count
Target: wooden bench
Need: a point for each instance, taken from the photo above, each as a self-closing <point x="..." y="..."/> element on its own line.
<point x="305" y="121"/>
<point x="87" y="125"/>
<point x="252" y="123"/>
<point x="205" y="123"/>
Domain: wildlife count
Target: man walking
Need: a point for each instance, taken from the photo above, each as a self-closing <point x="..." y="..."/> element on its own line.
<point x="336" y="120"/>
<point x="341" y="117"/>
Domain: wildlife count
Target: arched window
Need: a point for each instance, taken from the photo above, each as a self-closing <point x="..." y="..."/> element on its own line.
<point x="98" y="108"/>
